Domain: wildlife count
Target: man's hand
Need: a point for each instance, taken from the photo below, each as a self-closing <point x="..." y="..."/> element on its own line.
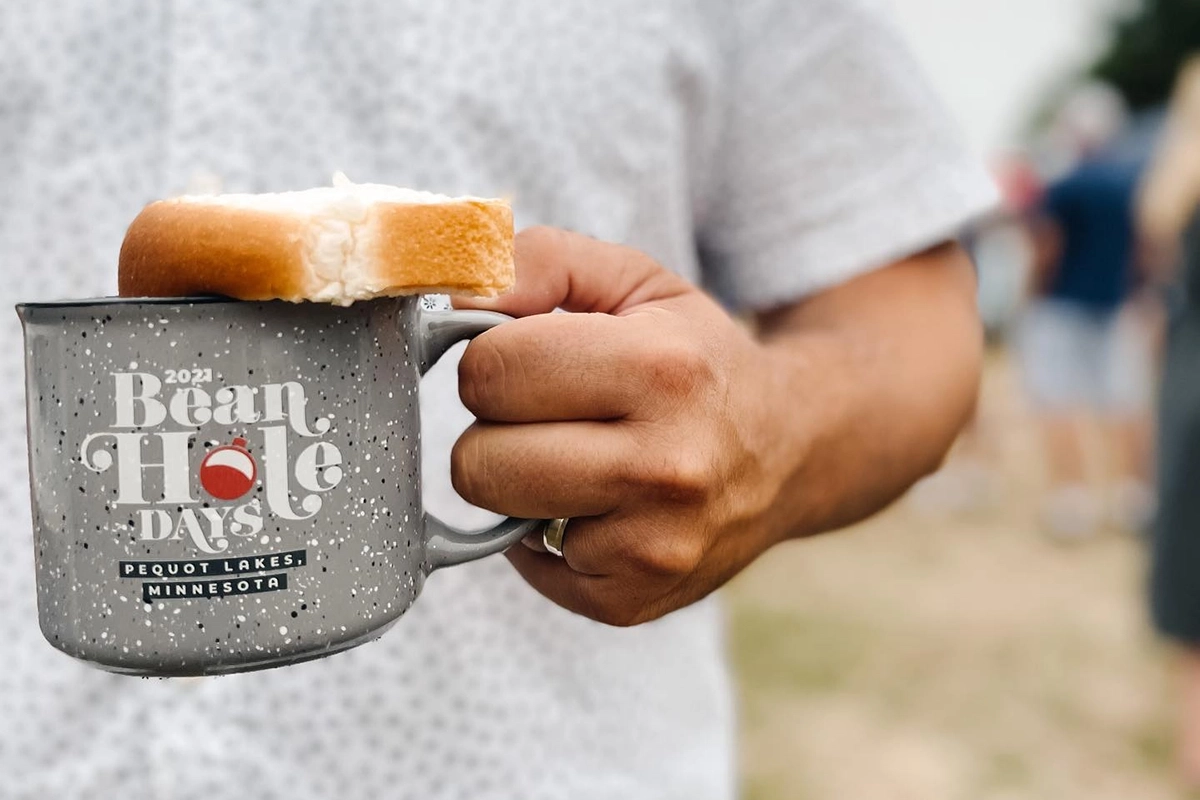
<point x="680" y="446"/>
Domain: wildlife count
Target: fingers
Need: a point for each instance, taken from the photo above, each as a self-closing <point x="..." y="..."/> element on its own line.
<point x="609" y="599"/>
<point x="559" y="269"/>
<point x="586" y="551"/>
<point x="544" y="470"/>
<point x="580" y="366"/>
<point x="554" y="578"/>
<point x="623" y="543"/>
<point x="594" y="416"/>
<point x="643" y="342"/>
<point x="617" y="569"/>
<point x="552" y="367"/>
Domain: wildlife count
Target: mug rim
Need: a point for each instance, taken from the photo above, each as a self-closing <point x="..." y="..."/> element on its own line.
<point x="189" y="300"/>
<point x="85" y="302"/>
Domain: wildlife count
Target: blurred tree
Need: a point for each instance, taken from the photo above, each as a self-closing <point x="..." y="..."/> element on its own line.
<point x="1147" y="49"/>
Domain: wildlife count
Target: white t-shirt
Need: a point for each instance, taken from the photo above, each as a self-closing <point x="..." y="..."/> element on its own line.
<point x="767" y="148"/>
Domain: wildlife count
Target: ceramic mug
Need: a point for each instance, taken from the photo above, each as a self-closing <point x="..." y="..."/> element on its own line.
<point x="221" y="486"/>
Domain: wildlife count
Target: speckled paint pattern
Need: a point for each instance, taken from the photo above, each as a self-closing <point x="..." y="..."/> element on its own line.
<point x="220" y="486"/>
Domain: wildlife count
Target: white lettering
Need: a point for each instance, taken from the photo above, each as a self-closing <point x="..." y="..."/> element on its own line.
<point x="190" y="407"/>
<point x="189" y="524"/>
<point x="247" y="520"/>
<point x="128" y="398"/>
<point x="154" y="524"/>
<point x="275" y="469"/>
<point x="131" y="464"/>
<point x="293" y="410"/>
<point x="318" y="467"/>
<point x="235" y="405"/>
<point x="100" y="459"/>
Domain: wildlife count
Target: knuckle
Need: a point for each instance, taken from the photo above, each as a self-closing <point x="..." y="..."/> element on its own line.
<point x="683" y="476"/>
<point x="675" y="368"/>
<point x="480" y="372"/>
<point x="586" y="554"/>
<point x="670" y="556"/>
<point x="468" y="468"/>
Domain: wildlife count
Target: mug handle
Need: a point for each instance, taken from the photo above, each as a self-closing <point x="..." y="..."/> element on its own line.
<point x="445" y="545"/>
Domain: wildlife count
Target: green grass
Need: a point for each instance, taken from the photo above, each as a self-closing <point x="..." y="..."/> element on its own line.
<point x="796" y="652"/>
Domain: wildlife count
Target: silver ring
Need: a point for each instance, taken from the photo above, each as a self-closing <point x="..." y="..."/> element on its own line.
<point x="552" y="535"/>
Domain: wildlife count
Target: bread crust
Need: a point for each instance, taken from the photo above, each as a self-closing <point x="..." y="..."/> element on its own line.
<point x="465" y="247"/>
<point x="177" y="248"/>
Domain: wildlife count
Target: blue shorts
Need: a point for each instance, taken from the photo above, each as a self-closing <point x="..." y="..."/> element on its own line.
<point x="1076" y="358"/>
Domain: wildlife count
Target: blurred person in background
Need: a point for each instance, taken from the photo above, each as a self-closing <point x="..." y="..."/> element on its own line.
<point x="1169" y="220"/>
<point x="786" y="154"/>
<point x="1083" y="344"/>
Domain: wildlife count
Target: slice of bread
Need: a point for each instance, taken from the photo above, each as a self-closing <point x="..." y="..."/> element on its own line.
<point x="334" y="245"/>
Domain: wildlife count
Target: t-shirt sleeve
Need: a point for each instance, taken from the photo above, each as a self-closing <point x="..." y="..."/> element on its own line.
<point x="836" y="156"/>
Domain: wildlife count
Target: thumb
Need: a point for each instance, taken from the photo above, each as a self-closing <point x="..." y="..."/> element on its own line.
<point x="560" y="269"/>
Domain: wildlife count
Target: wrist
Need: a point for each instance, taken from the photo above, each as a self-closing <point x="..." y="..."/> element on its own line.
<point x="803" y="400"/>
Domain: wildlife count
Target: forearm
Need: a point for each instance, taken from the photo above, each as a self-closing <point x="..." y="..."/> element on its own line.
<point x="880" y="374"/>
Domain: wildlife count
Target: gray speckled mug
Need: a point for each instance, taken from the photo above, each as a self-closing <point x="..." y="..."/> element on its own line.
<point x="221" y="486"/>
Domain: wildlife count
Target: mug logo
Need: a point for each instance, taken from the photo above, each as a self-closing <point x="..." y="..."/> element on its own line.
<point x="153" y="435"/>
<point x="229" y="471"/>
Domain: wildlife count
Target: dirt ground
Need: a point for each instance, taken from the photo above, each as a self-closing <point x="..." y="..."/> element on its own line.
<point x="954" y="654"/>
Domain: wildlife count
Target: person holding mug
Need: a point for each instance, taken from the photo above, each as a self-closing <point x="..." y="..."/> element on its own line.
<point x="785" y="156"/>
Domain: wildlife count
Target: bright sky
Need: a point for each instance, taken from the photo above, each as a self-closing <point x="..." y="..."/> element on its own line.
<point x="993" y="59"/>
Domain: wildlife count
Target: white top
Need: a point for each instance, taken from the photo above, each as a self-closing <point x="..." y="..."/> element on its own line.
<point x="792" y="143"/>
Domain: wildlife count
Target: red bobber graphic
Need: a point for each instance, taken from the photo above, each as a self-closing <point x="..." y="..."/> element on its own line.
<point x="228" y="471"/>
